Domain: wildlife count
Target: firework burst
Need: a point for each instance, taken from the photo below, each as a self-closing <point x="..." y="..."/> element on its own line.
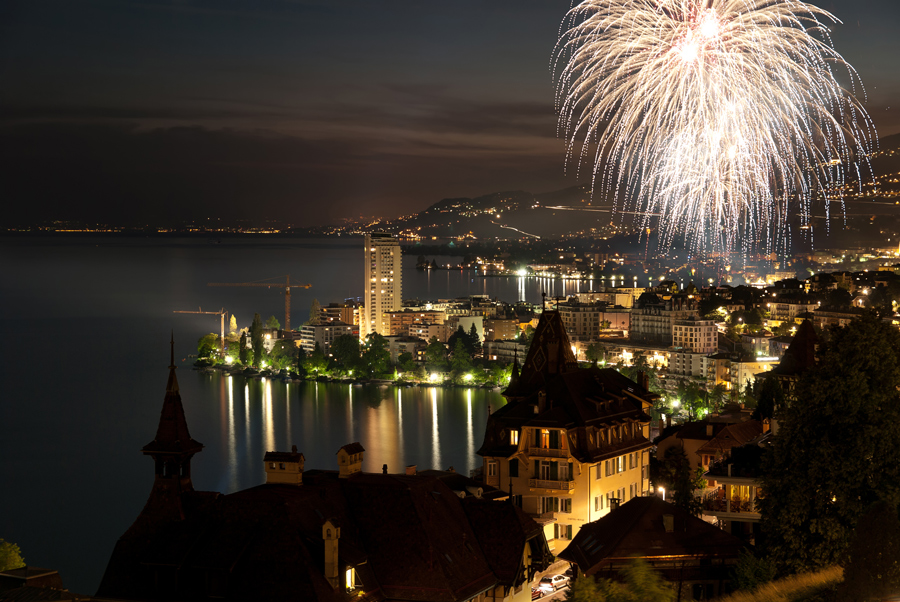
<point x="717" y="119"/>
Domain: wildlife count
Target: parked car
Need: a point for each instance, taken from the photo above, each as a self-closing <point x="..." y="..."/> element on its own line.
<point x="551" y="584"/>
<point x="537" y="593"/>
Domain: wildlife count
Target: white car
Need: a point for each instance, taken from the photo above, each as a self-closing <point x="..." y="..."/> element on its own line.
<point x="551" y="584"/>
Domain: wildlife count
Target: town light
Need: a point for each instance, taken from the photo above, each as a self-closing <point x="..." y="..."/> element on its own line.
<point x="662" y="491"/>
<point x="468" y="376"/>
<point x="434" y="376"/>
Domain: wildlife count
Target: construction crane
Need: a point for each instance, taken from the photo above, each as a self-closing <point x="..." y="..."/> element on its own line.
<point x="221" y="313"/>
<point x="286" y="285"/>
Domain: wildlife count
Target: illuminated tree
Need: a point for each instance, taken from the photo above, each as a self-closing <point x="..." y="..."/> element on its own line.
<point x="436" y="355"/>
<point x="208" y="345"/>
<point x="232" y="326"/>
<point x="10" y="556"/>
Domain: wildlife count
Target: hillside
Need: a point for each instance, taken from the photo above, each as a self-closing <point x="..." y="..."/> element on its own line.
<point x="872" y="215"/>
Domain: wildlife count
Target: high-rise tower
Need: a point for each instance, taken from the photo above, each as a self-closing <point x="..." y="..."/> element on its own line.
<point x="382" y="287"/>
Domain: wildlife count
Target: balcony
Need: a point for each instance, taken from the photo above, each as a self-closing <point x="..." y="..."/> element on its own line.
<point x="548" y="453"/>
<point x="564" y="485"/>
<point x="493" y="481"/>
<point x="738" y="509"/>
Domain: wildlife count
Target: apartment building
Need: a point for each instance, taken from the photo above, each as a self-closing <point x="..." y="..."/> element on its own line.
<point x="383" y="287"/>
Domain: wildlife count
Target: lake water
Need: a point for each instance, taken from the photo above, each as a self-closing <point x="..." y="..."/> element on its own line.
<point x="86" y="325"/>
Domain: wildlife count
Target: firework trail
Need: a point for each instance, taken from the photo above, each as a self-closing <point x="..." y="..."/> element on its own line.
<point x="724" y="117"/>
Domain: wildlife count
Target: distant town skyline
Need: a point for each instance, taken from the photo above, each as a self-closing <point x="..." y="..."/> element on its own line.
<point x="304" y="111"/>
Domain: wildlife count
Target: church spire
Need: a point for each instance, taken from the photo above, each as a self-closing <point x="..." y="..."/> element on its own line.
<point x="173" y="447"/>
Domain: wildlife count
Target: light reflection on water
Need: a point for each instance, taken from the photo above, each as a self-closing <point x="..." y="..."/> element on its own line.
<point x="435" y="436"/>
<point x="428" y="427"/>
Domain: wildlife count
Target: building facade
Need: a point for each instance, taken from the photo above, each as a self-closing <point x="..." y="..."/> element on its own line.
<point x="383" y="287"/>
<point x="324" y="335"/>
<point x="571" y="442"/>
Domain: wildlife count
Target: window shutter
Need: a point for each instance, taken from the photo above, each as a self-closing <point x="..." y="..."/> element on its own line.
<point x="554" y="471"/>
<point x="571" y="475"/>
<point x="537" y="469"/>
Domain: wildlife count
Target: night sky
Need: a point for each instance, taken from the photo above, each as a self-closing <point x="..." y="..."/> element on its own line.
<point x="302" y="111"/>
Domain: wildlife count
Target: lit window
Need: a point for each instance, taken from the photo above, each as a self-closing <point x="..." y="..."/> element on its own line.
<point x="514" y="437"/>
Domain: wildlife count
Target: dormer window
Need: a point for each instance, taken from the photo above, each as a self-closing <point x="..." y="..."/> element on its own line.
<point x="514" y="437"/>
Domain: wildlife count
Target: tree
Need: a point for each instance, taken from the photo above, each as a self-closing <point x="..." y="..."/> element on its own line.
<point x="435" y="355"/>
<point x="838" y="447"/>
<point x="316" y="362"/>
<point x="376" y="359"/>
<point x="460" y="335"/>
<point x="315" y="311"/>
<point x="594" y="353"/>
<point x="10" y="556"/>
<point x="638" y="583"/>
<point x="838" y="298"/>
<point x="232" y="326"/>
<point x="460" y="361"/>
<point x="406" y="363"/>
<point x="273" y="324"/>
<point x="245" y="351"/>
<point x="256" y="341"/>
<point x="345" y="350"/>
<point x="872" y="571"/>
<point x="677" y="476"/>
<point x="282" y="354"/>
<point x="300" y="359"/>
<point x="751" y="572"/>
<point x="770" y="398"/>
<point x="474" y="340"/>
<point x="208" y="345"/>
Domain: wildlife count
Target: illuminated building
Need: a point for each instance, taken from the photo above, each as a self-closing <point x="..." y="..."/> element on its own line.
<point x="384" y="262"/>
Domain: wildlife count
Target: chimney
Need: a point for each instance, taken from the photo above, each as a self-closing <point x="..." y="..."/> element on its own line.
<point x="330" y="535"/>
<point x="411" y="469"/>
<point x="384" y="469"/>
<point x="669" y="522"/>
<point x="668" y="420"/>
<point x="644" y="380"/>
<point x="613" y="503"/>
<point x="542" y="402"/>
<point x="709" y="430"/>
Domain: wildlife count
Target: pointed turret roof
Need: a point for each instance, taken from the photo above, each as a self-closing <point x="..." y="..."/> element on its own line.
<point x="800" y="355"/>
<point x="550" y="352"/>
<point x="172" y="436"/>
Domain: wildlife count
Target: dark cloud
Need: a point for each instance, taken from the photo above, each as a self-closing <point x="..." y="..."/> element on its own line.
<point x="168" y="175"/>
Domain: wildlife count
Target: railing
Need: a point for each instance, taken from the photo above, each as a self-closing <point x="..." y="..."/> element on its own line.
<point x="566" y="484"/>
<point x="716" y="504"/>
<point x="493" y="481"/>
<point x="551" y="453"/>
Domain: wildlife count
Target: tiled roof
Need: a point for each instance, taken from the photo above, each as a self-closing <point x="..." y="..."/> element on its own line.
<point x="636" y="529"/>
<point x="276" y="456"/>
<point x="573" y="400"/>
<point x="733" y="435"/>
<point x="353" y="448"/>
<point x="410" y="537"/>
